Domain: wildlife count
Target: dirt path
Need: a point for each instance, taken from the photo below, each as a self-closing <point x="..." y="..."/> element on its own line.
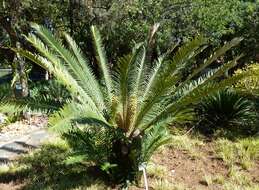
<point x="22" y="144"/>
<point x="20" y="137"/>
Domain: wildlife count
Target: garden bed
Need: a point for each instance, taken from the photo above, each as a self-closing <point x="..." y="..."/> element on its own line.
<point x="188" y="163"/>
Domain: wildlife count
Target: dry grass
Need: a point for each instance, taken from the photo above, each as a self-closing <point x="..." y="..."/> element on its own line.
<point x="243" y="152"/>
<point x="165" y="185"/>
<point x="188" y="144"/>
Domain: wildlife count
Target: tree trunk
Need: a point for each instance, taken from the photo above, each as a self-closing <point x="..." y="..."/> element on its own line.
<point x="18" y="64"/>
<point x="21" y="84"/>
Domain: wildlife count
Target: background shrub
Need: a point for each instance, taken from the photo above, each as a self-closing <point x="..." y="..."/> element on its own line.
<point x="250" y="84"/>
<point x="227" y="112"/>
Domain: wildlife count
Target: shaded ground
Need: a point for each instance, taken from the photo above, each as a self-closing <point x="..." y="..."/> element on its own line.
<point x="22" y="136"/>
<point x="22" y="144"/>
<point x="186" y="164"/>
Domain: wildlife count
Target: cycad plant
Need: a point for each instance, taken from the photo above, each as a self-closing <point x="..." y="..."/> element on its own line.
<point x="118" y="121"/>
<point x="227" y="112"/>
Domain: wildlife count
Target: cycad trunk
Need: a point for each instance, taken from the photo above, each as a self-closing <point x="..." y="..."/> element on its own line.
<point x="126" y="155"/>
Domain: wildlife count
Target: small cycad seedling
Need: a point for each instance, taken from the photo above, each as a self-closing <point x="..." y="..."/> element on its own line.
<point x="121" y="119"/>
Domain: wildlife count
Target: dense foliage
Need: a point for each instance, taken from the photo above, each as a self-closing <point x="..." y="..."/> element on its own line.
<point x="249" y="85"/>
<point x="127" y="21"/>
<point x="124" y="23"/>
<point x="227" y="112"/>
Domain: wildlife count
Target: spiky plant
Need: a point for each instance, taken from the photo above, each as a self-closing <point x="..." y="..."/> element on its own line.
<point x="45" y="97"/>
<point x="227" y="111"/>
<point x="50" y="92"/>
<point x="119" y="121"/>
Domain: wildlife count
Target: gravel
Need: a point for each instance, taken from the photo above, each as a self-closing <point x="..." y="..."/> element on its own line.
<point x="23" y="127"/>
<point x="2" y="118"/>
<point x="22" y="136"/>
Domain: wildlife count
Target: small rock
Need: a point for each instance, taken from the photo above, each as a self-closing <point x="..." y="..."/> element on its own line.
<point x="2" y="118"/>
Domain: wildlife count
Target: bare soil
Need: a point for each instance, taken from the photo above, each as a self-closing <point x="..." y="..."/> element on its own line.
<point x="11" y="186"/>
<point x="183" y="168"/>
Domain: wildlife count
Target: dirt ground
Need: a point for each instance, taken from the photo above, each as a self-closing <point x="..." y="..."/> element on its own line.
<point x="183" y="168"/>
<point x="11" y="186"/>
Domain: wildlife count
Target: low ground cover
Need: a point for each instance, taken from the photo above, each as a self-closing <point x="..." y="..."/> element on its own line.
<point x="217" y="164"/>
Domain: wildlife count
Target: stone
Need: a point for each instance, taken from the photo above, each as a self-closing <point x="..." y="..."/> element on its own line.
<point x="20" y="137"/>
<point x="2" y="118"/>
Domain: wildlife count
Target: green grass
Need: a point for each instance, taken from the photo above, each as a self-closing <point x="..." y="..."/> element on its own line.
<point x="208" y="179"/>
<point x="156" y="171"/>
<point x="244" y="152"/>
<point x="237" y="179"/>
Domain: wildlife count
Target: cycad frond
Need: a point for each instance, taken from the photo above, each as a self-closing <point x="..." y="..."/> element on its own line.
<point x="186" y="53"/>
<point x="190" y="93"/>
<point x="227" y="109"/>
<point x="87" y="76"/>
<point x="101" y="57"/>
<point x="5" y="91"/>
<point x="92" y="143"/>
<point x="62" y="75"/>
<point x="11" y="108"/>
<point x="127" y="77"/>
<point x="43" y="98"/>
<point x="154" y="138"/>
<point x="165" y="75"/>
<point x="221" y="51"/>
<point x="14" y="107"/>
<point x="138" y="69"/>
<point x="64" y="120"/>
<point x="72" y="61"/>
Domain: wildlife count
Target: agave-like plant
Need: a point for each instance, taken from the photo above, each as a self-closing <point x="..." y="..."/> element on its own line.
<point x="119" y="120"/>
<point x="227" y="110"/>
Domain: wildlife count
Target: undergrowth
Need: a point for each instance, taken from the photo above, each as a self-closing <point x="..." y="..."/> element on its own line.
<point x="187" y="143"/>
<point x="243" y="152"/>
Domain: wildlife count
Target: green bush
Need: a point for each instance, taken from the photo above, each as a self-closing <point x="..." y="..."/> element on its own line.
<point x="249" y="85"/>
<point x="51" y="92"/>
<point x="243" y="152"/>
<point x="227" y="112"/>
<point x="5" y="91"/>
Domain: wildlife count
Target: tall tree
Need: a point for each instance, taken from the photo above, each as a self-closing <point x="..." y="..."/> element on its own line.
<point x="9" y="18"/>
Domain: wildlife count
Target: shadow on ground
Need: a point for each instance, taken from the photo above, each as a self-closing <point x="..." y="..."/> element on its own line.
<point x="11" y="150"/>
<point x="45" y="169"/>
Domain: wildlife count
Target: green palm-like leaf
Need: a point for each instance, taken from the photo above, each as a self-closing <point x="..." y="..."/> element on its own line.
<point x="227" y="110"/>
<point x="154" y="138"/>
<point x="101" y="57"/>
